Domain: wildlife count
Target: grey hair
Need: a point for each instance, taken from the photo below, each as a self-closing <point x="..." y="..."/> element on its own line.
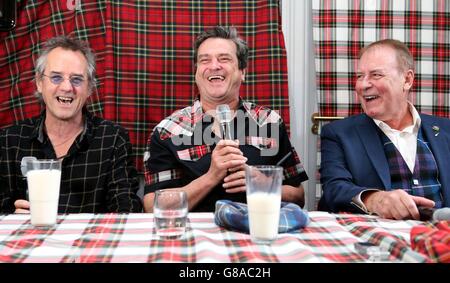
<point x="404" y="57"/>
<point x="67" y="43"/>
<point x="225" y="33"/>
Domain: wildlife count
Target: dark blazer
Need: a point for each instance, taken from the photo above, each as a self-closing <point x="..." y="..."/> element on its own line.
<point x="353" y="159"/>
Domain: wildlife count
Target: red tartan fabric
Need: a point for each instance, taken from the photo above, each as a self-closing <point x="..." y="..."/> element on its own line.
<point x="144" y="56"/>
<point x="342" y="28"/>
<point x="130" y="237"/>
<point x="434" y="242"/>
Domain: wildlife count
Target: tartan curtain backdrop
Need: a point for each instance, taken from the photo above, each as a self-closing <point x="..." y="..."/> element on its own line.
<point x="144" y="56"/>
<point x="343" y="27"/>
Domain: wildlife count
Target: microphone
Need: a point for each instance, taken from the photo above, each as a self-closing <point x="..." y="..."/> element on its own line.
<point x="223" y="114"/>
<point x="433" y="214"/>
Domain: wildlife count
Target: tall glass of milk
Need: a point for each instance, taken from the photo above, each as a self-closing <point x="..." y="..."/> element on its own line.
<point x="263" y="184"/>
<point x="44" y="179"/>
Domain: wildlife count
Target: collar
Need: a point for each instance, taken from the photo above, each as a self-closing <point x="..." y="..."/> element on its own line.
<point x="184" y="121"/>
<point x="39" y="133"/>
<point x="261" y="115"/>
<point x="413" y="128"/>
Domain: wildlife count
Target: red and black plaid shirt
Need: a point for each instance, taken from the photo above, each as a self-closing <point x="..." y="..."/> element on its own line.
<point x="179" y="149"/>
<point x="97" y="175"/>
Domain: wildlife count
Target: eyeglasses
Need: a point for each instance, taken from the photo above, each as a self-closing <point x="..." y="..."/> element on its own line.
<point x="56" y="79"/>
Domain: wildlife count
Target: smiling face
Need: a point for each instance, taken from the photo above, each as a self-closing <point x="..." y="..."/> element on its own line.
<point x="64" y="101"/>
<point x="382" y="86"/>
<point x="218" y="76"/>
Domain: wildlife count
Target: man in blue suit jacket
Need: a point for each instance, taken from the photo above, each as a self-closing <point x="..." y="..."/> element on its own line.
<point x="390" y="160"/>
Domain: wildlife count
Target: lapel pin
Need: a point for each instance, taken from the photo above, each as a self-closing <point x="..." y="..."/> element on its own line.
<point x="436" y="130"/>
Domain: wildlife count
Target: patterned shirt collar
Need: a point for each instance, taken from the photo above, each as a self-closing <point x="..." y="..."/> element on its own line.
<point x="259" y="114"/>
<point x="184" y="121"/>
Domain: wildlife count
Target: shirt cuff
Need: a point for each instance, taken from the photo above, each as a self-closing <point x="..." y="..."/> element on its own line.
<point x="356" y="201"/>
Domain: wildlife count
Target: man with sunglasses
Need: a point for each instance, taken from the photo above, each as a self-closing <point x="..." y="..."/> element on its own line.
<point x="98" y="174"/>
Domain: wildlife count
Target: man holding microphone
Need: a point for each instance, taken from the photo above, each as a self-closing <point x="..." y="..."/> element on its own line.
<point x="188" y="150"/>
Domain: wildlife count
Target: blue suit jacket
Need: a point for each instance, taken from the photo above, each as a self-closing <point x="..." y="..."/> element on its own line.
<point x="353" y="159"/>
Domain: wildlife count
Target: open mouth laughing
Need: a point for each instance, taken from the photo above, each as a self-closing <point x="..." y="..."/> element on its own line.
<point x="369" y="98"/>
<point x="216" y="78"/>
<point x="64" y="100"/>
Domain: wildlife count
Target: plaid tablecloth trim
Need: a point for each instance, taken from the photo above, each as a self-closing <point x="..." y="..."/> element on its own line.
<point x="144" y="49"/>
<point x="370" y="229"/>
<point x="131" y="238"/>
<point x="341" y="28"/>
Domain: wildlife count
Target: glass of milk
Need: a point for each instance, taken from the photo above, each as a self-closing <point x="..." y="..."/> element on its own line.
<point x="170" y="212"/>
<point x="44" y="179"/>
<point x="263" y="184"/>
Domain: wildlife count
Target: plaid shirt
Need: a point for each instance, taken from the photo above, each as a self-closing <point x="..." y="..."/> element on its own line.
<point x="178" y="153"/>
<point x="97" y="173"/>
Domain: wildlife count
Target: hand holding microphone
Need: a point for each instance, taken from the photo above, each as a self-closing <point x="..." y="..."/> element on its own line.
<point x="234" y="182"/>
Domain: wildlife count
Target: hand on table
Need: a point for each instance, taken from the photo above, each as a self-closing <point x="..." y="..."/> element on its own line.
<point x="396" y="204"/>
<point x="22" y="206"/>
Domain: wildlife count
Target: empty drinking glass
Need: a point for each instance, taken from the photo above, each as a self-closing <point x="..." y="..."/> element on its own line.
<point x="170" y="211"/>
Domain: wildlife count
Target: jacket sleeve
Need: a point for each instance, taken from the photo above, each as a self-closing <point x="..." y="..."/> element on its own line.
<point x="338" y="185"/>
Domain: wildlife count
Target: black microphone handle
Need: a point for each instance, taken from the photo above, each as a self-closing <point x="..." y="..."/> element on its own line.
<point x="426" y="213"/>
<point x="433" y="214"/>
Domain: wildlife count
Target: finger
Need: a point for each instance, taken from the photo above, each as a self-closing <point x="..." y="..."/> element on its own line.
<point x="235" y="190"/>
<point x="395" y="204"/>
<point x="238" y="168"/>
<point x="410" y="206"/>
<point x="230" y="150"/>
<point x="235" y="183"/>
<point x="421" y="201"/>
<point x="234" y="176"/>
<point x="400" y="210"/>
<point x="225" y="143"/>
<point x="224" y="165"/>
<point x="233" y="160"/>
<point x="21" y="203"/>
<point x="21" y="211"/>
<point x="403" y="205"/>
<point x="220" y="159"/>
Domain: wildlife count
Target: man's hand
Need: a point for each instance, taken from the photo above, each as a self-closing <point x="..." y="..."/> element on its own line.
<point x="225" y="156"/>
<point x="235" y="181"/>
<point x="396" y="204"/>
<point x="22" y="206"/>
